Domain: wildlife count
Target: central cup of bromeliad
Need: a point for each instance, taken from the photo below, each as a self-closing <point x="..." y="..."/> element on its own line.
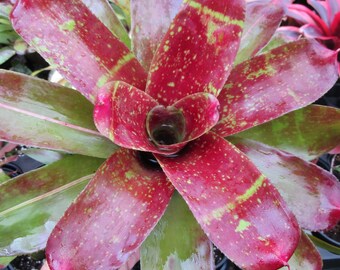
<point x="165" y="126"/>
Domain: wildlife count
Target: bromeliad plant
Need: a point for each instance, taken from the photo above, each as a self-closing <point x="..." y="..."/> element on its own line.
<point x="175" y="109"/>
<point x="322" y="23"/>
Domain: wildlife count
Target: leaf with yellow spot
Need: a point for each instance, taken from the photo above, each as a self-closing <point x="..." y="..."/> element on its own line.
<point x="81" y="47"/>
<point x="294" y="72"/>
<point x="198" y="50"/>
<point x="234" y="203"/>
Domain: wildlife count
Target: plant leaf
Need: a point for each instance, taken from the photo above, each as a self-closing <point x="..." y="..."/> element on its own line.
<point x="237" y="207"/>
<point x="5" y="54"/>
<point x="306" y="133"/>
<point x="113" y="215"/>
<point x="197" y="52"/>
<point x="104" y="12"/>
<point x="38" y="113"/>
<point x="306" y="256"/>
<point x="194" y="115"/>
<point x="294" y="72"/>
<point x="120" y="114"/>
<point x="77" y="43"/>
<point x="262" y="19"/>
<point x="4" y="261"/>
<point x="151" y="20"/>
<point x="125" y="6"/>
<point x="31" y="204"/>
<point x="303" y="185"/>
<point x="3" y="176"/>
<point x="166" y="248"/>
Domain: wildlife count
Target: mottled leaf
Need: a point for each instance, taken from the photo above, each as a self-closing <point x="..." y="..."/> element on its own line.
<point x="104" y="12"/>
<point x="275" y="83"/>
<point x="31" y="204"/>
<point x="197" y="52"/>
<point x="38" y="113"/>
<point x="77" y="43"/>
<point x="303" y="185"/>
<point x="234" y="203"/>
<point x="177" y="242"/>
<point x="306" y="133"/>
<point x="111" y="217"/>
<point x="150" y="21"/>
<point x="262" y="19"/>
<point x="120" y="114"/>
<point x="306" y="256"/>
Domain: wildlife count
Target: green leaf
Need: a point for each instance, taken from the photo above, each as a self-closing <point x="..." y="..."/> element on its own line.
<point x="8" y="37"/>
<point x="5" y="54"/>
<point x="31" y="204"/>
<point x="38" y="113"/>
<point x="177" y="242"/>
<point x="124" y="5"/>
<point x="3" y="176"/>
<point x="4" y="261"/>
<point x="306" y="133"/>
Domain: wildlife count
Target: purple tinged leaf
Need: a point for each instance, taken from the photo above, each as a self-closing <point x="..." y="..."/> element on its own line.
<point x="320" y="7"/>
<point x="38" y="113"/>
<point x="197" y="52"/>
<point x="262" y="19"/>
<point x="32" y="203"/>
<point x="77" y="43"/>
<point x="306" y="256"/>
<point x="104" y="12"/>
<point x="234" y="203"/>
<point x="303" y="185"/>
<point x="294" y="72"/>
<point x="150" y="21"/>
<point x="111" y="217"/>
<point x="307" y="133"/>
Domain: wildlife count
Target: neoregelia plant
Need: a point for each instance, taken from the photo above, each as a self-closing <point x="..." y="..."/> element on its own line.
<point x="175" y="113"/>
<point x="322" y="23"/>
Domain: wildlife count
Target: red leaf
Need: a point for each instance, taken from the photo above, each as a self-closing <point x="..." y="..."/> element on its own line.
<point x="302" y="184"/>
<point x="306" y="256"/>
<point x="77" y="43"/>
<point x="241" y="212"/>
<point x="277" y="82"/>
<point x="151" y="20"/>
<point x="186" y="120"/>
<point x="111" y="217"/>
<point x="120" y="114"/>
<point x="262" y="19"/>
<point x="197" y="52"/>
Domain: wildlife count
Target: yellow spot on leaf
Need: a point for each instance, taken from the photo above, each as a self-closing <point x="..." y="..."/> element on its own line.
<point x="242" y="225"/>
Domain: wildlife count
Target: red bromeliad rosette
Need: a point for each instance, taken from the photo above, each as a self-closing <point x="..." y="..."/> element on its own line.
<point x="177" y="116"/>
<point x="322" y="23"/>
